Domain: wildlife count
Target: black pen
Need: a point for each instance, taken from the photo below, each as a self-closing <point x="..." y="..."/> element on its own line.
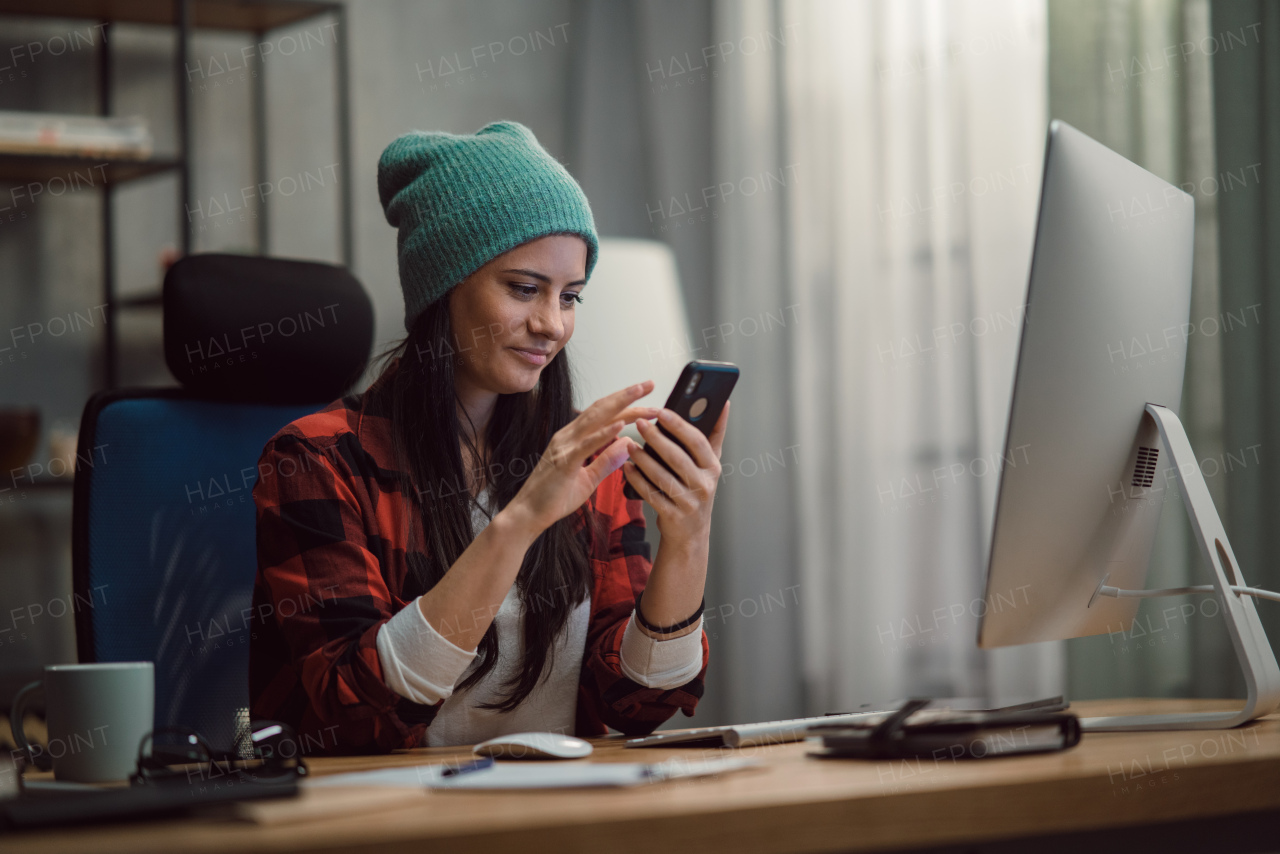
<point x="454" y="770"/>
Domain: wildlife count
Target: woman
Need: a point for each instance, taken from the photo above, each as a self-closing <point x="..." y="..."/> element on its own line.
<point x="449" y="556"/>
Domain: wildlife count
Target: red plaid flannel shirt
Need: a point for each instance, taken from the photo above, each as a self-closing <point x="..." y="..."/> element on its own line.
<point x="331" y="543"/>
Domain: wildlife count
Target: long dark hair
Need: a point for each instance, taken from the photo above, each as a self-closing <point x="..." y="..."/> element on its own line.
<point x="421" y="401"/>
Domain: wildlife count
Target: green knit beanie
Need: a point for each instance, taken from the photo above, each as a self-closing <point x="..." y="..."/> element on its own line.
<point x="461" y="200"/>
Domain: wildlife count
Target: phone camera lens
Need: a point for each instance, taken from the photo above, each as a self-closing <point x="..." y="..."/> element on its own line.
<point x="693" y="382"/>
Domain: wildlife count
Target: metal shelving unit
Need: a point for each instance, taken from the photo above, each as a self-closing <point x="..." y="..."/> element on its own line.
<point x="184" y="16"/>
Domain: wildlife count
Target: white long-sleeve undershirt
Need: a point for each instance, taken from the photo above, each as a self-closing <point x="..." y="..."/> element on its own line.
<point x="421" y="664"/>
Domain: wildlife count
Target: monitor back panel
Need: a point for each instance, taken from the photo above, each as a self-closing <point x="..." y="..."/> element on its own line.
<point x="1084" y="474"/>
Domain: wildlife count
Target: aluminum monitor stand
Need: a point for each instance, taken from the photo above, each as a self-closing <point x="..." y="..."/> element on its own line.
<point x="1257" y="660"/>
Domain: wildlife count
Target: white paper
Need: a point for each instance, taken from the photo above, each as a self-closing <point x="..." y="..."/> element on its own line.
<point x="524" y="774"/>
<point x="410" y="775"/>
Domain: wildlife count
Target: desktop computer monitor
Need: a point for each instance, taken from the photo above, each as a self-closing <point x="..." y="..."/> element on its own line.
<point x="1087" y="460"/>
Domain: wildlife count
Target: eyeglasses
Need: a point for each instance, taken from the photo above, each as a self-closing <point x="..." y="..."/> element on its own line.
<point x="175" y="754"/>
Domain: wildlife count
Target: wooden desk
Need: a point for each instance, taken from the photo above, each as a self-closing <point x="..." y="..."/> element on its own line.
<point x="792" y="803"/>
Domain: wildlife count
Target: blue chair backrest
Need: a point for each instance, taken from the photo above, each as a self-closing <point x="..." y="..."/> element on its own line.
<point x="164" y="540"/>
<point x="165" y="530"/>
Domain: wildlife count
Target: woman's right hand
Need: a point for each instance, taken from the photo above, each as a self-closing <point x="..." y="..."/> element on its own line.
<point x="560" y="483"/>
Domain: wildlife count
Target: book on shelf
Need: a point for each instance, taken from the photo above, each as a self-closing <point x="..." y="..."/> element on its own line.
<point x="58" y="134"/>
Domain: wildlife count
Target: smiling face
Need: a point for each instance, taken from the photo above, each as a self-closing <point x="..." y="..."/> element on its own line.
<point x="515" y="314"/>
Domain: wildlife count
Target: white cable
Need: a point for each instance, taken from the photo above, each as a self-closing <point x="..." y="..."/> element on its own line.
<point x="1256" y="592"/>
<point x="1116" y="592"/>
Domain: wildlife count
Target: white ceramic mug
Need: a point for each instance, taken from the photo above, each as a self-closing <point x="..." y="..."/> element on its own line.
<point x="97" y="714"/>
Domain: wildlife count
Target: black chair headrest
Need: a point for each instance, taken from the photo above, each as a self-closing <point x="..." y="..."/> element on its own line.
<point x="268" y="330"/>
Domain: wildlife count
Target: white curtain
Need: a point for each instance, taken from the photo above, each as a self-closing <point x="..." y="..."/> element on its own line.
<point x="758" y="586"/>
<point x="913" y="133"/>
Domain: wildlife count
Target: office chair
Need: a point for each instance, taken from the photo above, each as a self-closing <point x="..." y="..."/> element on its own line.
<point x="163" y="522"/>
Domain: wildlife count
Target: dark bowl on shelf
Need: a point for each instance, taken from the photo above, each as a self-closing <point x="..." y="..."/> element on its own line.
<point x="19" y="435"/>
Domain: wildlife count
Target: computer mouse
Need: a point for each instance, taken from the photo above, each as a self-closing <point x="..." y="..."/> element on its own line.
<point x="534" y="745"/>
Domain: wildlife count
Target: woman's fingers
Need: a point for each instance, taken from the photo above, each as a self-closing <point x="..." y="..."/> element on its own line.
<point x="608" y="407"/>
<point x="647" y="491"/>
<point x="664" y="480"/>
<point x="576" y="447"/>
<point x="635" y="413"/>
<point x="676" y="457"/>
<point x="591" y="443"/>
<point x="613" y="456"/>
<point x="716" y="438"/>
<point x="557" y="481"/>
<point x="691" y="437"/>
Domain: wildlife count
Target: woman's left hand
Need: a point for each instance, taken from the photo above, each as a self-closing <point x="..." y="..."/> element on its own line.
<point x="682" y="501"/>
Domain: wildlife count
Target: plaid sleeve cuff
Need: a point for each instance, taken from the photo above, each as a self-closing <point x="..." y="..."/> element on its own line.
<point x="655" y="663"/>
<point x="418" y="662"/>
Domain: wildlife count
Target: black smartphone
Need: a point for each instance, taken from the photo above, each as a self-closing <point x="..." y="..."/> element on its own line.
<point x="699" y="396"/>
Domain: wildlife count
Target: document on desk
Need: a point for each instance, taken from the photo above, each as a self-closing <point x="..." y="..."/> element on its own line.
<point x="524" y="774"/>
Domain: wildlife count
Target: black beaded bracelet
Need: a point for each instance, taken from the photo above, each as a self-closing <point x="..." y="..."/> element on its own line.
<point x="666" y="630"/>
